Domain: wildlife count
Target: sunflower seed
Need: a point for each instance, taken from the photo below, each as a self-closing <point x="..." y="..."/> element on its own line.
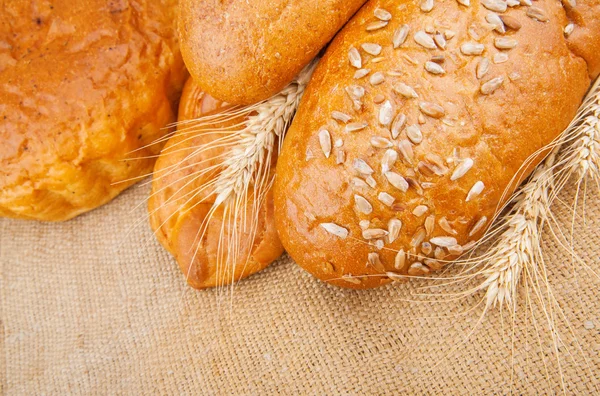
<point x="466" y="3"/>
<point x="438" y="59"/>
<point x="397" y="125"/>
<point x="339" y="143"/>
<point x="434" y="68"/>
<point x="449" y="34"/>
<point x="360" y="73"/>
<point x="374" y="233"/>
<point x="309" y="154"/>
<point x="405" y="148"/>
<point x="351" y="279"/>
<point x="526" y="3"/>
<point x="494" y="5"/>
<point x="424" y="40"/>
<point x="371" y="182"/>
<point x="445" y="225"/>
<point x="433" y="264"/>
<point x="510" y="22"/>
<point x="426" y="248"/>
<point x="475" y="190"/>
<point x="386" y="198"/>
<point x="335" y="229"/>
<point x="378" y="98"/>
<point x="420" y="210"/>
<point x="430" y="169"/>
<point x="355" y="91"/>
<point x="340" y="157"/>
<point x="462" y="168"/>
<point x="426" y="5"/>
<point x="397" y="181"/>
<point x="430" y="224"/>
<point x="505" y="43"/>
<point x="500" y="57"/>
<point x="413" y="132"/>
<point x="569" y="29"/>
<point x="380" y="142"/>
<point x="482" y="67"/>
<point x="400" y="259"/>
<point x="537" y="14"/>
<point x="418" y="269"/>
<point x="338" y="115"/>
<point x="432" y="110"/>
<point x="371" y="48"/>
<point x="569" y="3"/>
<point x="359" y="183"/>
<point x="405" y="90"/>
<point x="376" y="25"/>
<point x="382" y="14"/>
<point x="377" y="78"/>
<point x="496" y="21"/>
<point x="364" y="224"/>
<point x="394" y="227"/>
<point x="440" y="40"/>
<point x="354" y="57"/>
<point x="513" y="3"/>
<point x="362" y="205"/>
<point x="356" y="126"/>
<point x="400" y="36"/>
<point x="373" y="259"/>
<point x="418" y="237"/>
<point x="362" y="167"/>
<point x="492" y="85"/>
<point x="455" y="250"/>
<point x="386" y="113"/>
<point x="444" y="241"/>
<point x="439" y="253"/>
<point x="471" y="48"/>
<point x="389" y="159"/>
<point x="325" y="142"/>
<point x="478" y="226"/>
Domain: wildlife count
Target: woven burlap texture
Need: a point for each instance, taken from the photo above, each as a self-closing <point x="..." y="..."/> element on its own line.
<point x="96" y="306"/>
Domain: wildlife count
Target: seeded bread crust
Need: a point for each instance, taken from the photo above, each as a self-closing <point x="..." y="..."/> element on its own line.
<point x="245" y="51"/>
<point x="473" y="115"/>
<point x="83" y="83"/>
<point x="177" y="210"/>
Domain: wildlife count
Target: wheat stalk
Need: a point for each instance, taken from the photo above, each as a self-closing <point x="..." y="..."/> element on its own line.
<point x="241" y="176"/>
<point x="518" y="248"/>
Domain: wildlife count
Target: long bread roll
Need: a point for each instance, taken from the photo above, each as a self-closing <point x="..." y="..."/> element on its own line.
<point x="180" y="203"/>
<point x="409" y="135"/>
<point x="245" y="51"/>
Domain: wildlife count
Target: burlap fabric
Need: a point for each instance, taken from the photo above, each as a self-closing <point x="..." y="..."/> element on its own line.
<point x="95" y="306"/>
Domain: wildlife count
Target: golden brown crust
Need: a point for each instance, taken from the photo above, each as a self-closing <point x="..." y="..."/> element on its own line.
<point x="543" y="84"/>
<point x="585" y="20"/>
<point x="82" y="84"/>
<point x="246" y="51"/>
<point x="178" y="210"/>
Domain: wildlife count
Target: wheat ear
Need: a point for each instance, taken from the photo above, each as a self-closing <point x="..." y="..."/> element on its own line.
<point x="242" y="176"/>
<point x="518" y="247"/>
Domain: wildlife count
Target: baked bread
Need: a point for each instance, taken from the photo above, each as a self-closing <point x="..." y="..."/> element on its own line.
<point x="408" y="136"/>
<point x="179" y="204"/>
<point x="243" y="52"/>
<point x="82" y="84"/>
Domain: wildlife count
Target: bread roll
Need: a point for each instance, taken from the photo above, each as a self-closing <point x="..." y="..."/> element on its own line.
<point x="178" y="206"/>
<point x="430" y="119"/>
<point x="243" y="52"/>
<point x="82" y="84"/>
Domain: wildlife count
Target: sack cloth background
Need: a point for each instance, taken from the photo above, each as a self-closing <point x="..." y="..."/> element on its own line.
<point x="95" y="305"/>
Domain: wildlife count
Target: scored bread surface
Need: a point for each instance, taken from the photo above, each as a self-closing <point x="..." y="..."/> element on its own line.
<point x="83" y="84"/>
<point x="416" y="125"/>
<point x="243" y="52"/>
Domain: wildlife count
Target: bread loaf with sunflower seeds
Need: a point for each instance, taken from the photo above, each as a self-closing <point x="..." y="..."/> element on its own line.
<point x="418" y="122"/>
